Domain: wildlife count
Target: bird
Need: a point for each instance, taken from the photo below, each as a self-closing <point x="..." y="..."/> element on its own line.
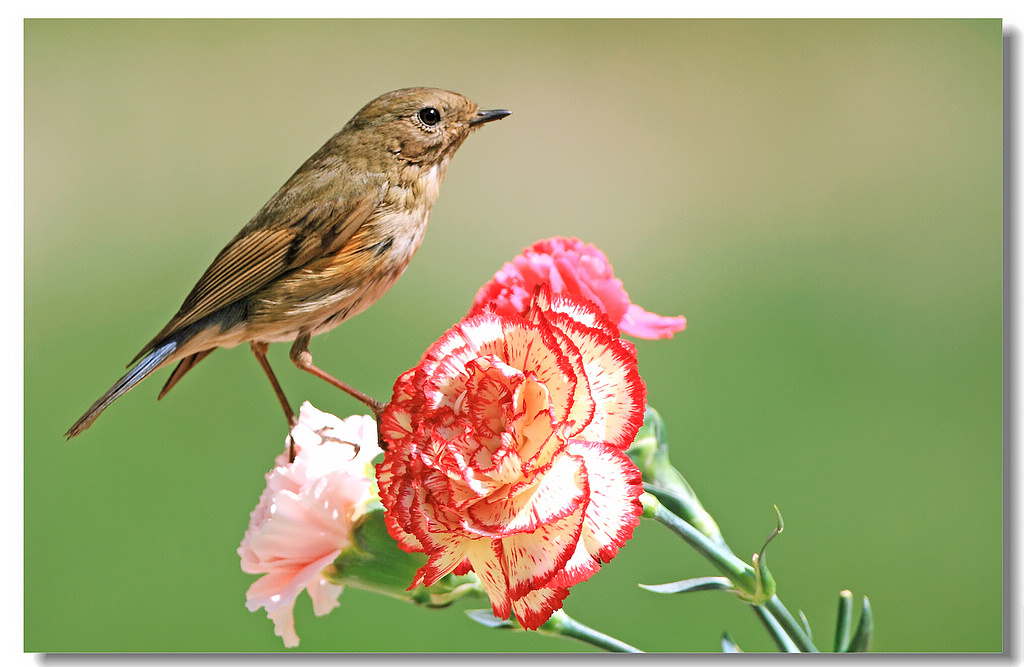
<point x="327" y="245"/>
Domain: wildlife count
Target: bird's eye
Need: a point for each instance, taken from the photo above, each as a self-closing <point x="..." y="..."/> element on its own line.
<point x="429" y="116"/>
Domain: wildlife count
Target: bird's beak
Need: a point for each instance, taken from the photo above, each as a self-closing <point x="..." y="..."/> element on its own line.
<point x="487" y="116"/>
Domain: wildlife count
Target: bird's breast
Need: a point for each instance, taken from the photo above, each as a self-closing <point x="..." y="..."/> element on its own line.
<point x="327" y="291"/>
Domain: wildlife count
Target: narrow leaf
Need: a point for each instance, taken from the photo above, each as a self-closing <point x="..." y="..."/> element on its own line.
<point x="690" y="585"/>
<point x="728" y="645"/>
<point x="843" y="621"/>
<point x="486" y="618"/>
<point x="780" y="524"/>
<point x="861" y="641"/>
<point x="805" y="623"/>
<point x="765" y="580"/>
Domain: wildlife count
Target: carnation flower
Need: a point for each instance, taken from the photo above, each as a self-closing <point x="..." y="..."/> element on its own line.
<point x="574" y="267"/>
<point x="506" y="453"/>
<point x="305" y="515"/>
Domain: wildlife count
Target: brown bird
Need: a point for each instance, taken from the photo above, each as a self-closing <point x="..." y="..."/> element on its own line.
<point x="329" y="243"/>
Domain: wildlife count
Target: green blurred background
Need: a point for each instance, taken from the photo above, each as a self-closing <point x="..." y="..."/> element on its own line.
<point x="821" y="199"/>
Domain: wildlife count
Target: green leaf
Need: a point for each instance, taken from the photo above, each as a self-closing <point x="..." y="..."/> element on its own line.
<point x="861" y="641"/>
<point x="843" y="621"/>
<point x="765" y="580"/>
<point x="779" y="526"/>
<point x="728" y="645"/>
<point x="691" y="585"/>
<point x="559" y="625"/>
<point x="805" y="623"/>
<point x="374" y="562"/>
<point x="486" y="618"/>
<point x="792" y="630"/>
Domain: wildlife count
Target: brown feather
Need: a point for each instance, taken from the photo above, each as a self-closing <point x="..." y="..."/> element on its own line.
<point x="257" y="256"/>
<point x="184" y="366"/>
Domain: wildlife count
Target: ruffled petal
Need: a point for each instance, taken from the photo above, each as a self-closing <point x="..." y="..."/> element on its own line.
<point x="324" y="595"/>
<point x="482" y="473"/>
<point x="535" y="608"/>
<point x="642" y="324"/>
<point x="284" y="624"/>
<point x="615" y="507"/>
<point x="282" y="585"/>
<point x="568" y="265"/>
<point x="609" y="363"/>
<point x="484" y="556"/>
<point x="532" y="559"/>
<point x="304" y="517"/>
<point x="561" y="491"/>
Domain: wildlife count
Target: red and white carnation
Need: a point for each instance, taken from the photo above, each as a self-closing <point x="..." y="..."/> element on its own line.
<point x="506" y="452"/>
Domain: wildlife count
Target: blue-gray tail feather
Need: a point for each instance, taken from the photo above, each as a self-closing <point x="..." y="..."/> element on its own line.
<point x="149" y="363"/>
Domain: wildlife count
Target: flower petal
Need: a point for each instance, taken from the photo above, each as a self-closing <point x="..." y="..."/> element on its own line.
<point x="532" y="559"/>
<point x="610" y="365"/>
<point x="485" y="557"/>
<point x="447" y="552"/>
<point x="561" y="491"/>
<point x="324" y="595"/>
<point x="615" y="488"/>
<point x="570" y="266"/>
<point x="642" y="324"/>
<point x="580" y="567"/>
<point x="535" y="608"/>
<point x="282" y="585"/>
<point x="284" y="624"/>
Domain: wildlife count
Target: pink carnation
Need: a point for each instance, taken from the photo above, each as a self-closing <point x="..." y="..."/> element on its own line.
<point x="305" y="515"/>
<point x="571" y="266"/>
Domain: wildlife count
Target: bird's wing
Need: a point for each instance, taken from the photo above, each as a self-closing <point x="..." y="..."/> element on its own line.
<point x="267" y="247"/>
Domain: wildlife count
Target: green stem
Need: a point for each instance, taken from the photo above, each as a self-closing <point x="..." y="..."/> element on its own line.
<point x="789" y="624"/>
<point x="739" y="573"/>
<point x="650" y="453"/>
<point x="563" y="625"/>
<point x="782" y="640"/>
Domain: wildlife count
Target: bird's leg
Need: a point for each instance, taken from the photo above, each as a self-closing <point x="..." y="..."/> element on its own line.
<point x="302" y="358"/>
<point x="260" y="350"/>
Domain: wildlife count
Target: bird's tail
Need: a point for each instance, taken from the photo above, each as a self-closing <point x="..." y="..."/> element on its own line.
<point x="149" y="363"/>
